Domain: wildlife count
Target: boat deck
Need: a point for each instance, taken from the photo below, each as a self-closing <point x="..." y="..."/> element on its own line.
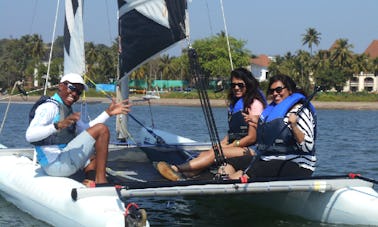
<point x="127" y="166"/>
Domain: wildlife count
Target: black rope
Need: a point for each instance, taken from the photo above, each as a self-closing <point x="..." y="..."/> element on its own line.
<point x="159" y="140"/>
<point x="201" y="85"/>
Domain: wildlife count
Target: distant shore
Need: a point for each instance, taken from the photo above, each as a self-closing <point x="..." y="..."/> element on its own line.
<point x="213" y="102"/>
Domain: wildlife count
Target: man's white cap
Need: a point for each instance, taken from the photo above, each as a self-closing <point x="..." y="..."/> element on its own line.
<point x="75" y="79"/>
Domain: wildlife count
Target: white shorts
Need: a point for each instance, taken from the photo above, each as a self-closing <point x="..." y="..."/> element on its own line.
<point x="73" y="157"/>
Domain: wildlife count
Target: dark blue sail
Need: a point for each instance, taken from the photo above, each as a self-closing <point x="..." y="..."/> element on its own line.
<point x="147" y="27"/>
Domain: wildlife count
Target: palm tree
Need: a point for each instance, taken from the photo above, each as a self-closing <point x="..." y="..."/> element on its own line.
<point x="304" y="69"/>
<point x="91" y="59"/>
<point x="341" y="55"/>
<point x="311" y="37"/>
<point x="341" y="61"/>
<point x="165" y="66"/>
<point x="37" y="48"/>
<point x="361" y="63"/>
<point x="37" y="53"/>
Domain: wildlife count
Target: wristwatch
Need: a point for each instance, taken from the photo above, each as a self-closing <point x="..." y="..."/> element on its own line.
<point x="56" y="125"/>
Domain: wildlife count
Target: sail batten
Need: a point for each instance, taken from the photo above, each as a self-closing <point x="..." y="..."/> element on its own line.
<point x="147" y="28"/>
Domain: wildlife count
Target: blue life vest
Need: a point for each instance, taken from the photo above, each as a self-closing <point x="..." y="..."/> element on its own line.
<point x="63" y="136"/>
<point x="237" y="127"/>
<point x="273" y="135"/>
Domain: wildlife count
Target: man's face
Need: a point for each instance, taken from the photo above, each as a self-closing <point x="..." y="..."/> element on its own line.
<point x="70" y="92"/>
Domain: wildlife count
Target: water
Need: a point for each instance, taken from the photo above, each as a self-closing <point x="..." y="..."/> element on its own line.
<point x="347" y="142"/>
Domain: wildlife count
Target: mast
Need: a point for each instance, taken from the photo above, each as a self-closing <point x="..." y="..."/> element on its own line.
<point x="122" y="89"/>
<point x="228" y="42"/>
<point x="146" y="28"/>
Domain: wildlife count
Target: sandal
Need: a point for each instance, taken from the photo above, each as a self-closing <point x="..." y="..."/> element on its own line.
<point x="166" y="171"/>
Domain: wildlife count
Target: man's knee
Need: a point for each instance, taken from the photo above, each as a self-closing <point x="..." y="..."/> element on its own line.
<point x="98" y="130"/>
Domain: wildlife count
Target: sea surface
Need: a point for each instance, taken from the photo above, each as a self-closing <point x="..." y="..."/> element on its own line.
<point x="347" y="142"/>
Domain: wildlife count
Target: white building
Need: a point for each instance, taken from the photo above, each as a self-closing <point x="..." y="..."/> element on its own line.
<point x="365" y="81"/>
<point x="259" y="67"/>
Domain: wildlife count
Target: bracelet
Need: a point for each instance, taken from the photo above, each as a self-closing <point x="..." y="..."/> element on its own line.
<point x="237" y="143"/>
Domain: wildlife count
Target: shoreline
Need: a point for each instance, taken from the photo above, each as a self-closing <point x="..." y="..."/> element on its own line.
<point x="137" y="101"/>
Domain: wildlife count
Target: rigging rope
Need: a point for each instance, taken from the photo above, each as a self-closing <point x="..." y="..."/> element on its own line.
<point x="122" y="122"/>
<point x="228" y="42"/>
<point x="159" y="140"/>
<point x="7" y="109"/>
<point x="9" y="97"/>
<point x="51" y="49"/>
<point x="200" y="81"/>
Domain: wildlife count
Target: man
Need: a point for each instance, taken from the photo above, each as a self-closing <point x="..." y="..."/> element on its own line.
<point x="63" y="142"/>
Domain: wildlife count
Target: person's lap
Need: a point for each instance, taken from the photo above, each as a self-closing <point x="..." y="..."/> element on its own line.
<point x="273" y="168"/>
<point x="73" y="157"/>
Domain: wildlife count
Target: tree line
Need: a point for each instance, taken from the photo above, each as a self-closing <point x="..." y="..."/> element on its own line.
<point x="330" y="68"/>
<point x="26" y="59"/>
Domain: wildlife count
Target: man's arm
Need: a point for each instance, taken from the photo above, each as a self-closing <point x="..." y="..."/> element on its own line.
<point x="42" y="124"/>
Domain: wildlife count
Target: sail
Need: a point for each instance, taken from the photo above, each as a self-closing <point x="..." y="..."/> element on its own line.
<point x="148" y="27"/>
<point x="74" y="55"/>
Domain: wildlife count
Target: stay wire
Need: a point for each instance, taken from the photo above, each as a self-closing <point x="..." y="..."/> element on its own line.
<point x="123" y="127"/>
<point x="159" y="139"/>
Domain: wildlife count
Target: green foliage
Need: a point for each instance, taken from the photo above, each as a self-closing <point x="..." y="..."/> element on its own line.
<point x="214" y="57"/>
<point x="193" y="95"/>
<point x="346" y="97"/>
<point x="328" y="68"/>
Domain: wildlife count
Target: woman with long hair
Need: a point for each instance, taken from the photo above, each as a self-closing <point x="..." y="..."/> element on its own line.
<point x="245" y="100"/>
<point x="285" y="136"/>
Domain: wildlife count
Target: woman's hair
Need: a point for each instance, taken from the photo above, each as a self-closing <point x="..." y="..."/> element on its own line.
<point x="289" y="84"/>
<point x="251" y="85"/>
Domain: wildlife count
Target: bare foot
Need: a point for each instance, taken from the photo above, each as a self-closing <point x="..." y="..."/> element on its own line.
<point x="89" y="183"/>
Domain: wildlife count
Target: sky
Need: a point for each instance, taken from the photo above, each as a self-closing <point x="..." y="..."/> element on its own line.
<point x="271" y="27"/>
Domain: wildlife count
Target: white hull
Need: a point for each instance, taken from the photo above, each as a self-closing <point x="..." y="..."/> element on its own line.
<point x="148" y="97"/>
<point x="338" y="201"/>
<point x="334" y="200"/>
<point x="49" y="198"/>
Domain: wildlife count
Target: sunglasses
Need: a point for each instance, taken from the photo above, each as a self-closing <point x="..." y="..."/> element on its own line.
<point x="72" y="88"/>
<point x="277" y="89"/>
<point x="240" y="85"/>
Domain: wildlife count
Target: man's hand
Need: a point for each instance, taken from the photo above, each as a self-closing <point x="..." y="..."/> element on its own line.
<point x="68" y="121"/>
<point x="115" y="108"/>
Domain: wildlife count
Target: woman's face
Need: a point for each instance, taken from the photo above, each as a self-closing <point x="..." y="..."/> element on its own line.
<point x="278" y="91"/>
<point x="238" y="87"/>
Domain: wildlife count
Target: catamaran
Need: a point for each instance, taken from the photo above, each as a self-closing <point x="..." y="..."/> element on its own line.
<point x="348" y="199"/>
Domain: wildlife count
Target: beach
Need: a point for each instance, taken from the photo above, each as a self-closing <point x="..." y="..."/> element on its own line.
<point x="196" y="102"/>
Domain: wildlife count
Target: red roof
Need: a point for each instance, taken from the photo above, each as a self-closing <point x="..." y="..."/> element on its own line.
<point x="261" y="60"/>
<point x="372" y="49"/>
<point x="334" y="45"/>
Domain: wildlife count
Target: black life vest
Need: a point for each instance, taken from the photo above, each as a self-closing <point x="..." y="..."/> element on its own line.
<point x="42" y="99"/>
<point x="63" y="136"/>
<point x="237" y="127"/>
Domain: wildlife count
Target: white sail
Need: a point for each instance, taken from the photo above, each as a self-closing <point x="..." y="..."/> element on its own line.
<point x="74" y="54"/>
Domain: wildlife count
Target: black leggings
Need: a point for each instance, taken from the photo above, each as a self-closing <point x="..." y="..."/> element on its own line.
<point x="272" y="168"/>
